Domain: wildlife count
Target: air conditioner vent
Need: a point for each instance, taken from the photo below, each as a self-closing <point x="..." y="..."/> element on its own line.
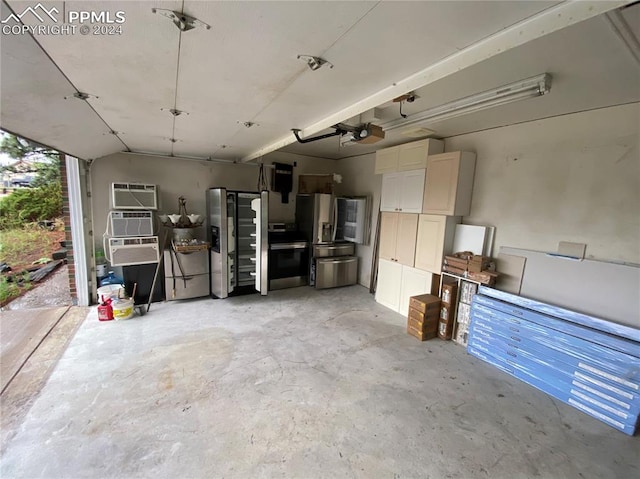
<point x="134" y="196"/>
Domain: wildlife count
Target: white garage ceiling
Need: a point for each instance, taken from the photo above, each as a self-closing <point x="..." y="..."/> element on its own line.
<point x="244" y="68"/>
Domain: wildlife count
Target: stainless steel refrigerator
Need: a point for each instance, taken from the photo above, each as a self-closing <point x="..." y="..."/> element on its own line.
<point x="332" y="263"/>
<point x="237" y="231"/>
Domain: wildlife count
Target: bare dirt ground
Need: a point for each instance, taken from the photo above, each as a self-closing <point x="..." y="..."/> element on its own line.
<point x="52" y="292"/>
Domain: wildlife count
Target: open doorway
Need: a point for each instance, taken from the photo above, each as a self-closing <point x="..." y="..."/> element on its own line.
<point x="36" y="254"/>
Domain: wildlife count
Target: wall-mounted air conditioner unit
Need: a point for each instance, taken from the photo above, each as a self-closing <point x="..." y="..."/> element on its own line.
<point x="131" y="223"/>
<point x="134" y="196"/>
<point x="130" y="251"/>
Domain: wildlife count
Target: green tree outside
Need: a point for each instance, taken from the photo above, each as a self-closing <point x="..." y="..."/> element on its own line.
<point x="43" y="201"/>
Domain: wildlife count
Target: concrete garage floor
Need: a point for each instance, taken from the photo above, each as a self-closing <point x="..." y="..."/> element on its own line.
<point x="302" y="383"/>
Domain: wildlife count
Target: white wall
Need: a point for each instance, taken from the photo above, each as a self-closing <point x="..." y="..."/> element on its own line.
<point x="569" y="178"/>
<point x="359" y="180"/>
<point x="191" y="179"/>
<point x="278" y="211"/>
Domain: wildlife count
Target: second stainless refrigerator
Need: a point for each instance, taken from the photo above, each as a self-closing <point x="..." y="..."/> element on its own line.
<point x="332" y="263"/>
<point x="237" y="232"/>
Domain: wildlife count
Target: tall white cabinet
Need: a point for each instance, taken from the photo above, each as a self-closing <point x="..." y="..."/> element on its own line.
<point x="424" y="195"/>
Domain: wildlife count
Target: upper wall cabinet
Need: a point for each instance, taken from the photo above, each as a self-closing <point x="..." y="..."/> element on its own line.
<point x="448" y="184"/>
<point x="410" y="156"/>
<point x="403" y="191"/>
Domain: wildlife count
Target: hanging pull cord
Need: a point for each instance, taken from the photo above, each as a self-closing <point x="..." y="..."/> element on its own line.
<point x="262" y="179"/>
<point x="402" y="114"/>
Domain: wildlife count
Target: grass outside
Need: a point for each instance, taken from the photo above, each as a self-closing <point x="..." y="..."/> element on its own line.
<point x="20" y="248"/>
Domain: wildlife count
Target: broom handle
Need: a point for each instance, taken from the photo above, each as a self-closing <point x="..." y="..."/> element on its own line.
<point x="155" y="276"/>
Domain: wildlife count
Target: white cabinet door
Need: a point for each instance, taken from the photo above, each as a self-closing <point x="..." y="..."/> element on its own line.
<point x="389" y="281"/>
<point x="407" y="228"/>
<point x="435" y="239"/>
<point x="441" y="184"/>
<point x="449" y="183"/>
<point x="388" y="235"/>
<point x="413" y="156"/>
<point x="413" y="283"/>
<point x="386" y="160"/>
<point x="411" y="191"/>
<point x="430" y="242"/>
<point x="390" y="194"/>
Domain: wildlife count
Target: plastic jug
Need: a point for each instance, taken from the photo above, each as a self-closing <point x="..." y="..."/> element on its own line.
<point x="110" y="278"/>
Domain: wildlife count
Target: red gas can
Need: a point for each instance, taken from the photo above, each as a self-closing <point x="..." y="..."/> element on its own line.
<point x="105" y="310"/>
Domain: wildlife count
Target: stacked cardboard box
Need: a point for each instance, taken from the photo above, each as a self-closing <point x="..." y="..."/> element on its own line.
<point x="467" y="290"/>
<point x="457" y="263"/>
<point x="467" y="265"/>
<point x="423" y="316"/>
<point x="484" y="277"/>
<point x="464" y="319"/>
<point x="447" y="310"/>
<point x="478" y="263"/>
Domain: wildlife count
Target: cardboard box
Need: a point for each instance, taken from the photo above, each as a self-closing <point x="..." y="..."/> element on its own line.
<point x="478" y="263"/>
<point x="427" y="326"/>
<point x="455" y="262"/>
<point x="451" y="269"/>
<point x="464" y="313"/>
<point x="420" y="316"/>
<point x="462" y="334"/>
<point x="445" y="330"/>
<point x="420" y="335"/>
<point x="446" y="322"/>
<point x="310" y="184"/>
<point x="449" y="293"/>
<point x="425" y="303"/>
<point x="467" y="290"/>
<point x="485" y="277"/>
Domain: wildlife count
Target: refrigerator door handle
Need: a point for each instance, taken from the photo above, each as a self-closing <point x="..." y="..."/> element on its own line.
<point x="337" y="261"/>
<point x="263" y="245"/>
<point x="335" y="219"/>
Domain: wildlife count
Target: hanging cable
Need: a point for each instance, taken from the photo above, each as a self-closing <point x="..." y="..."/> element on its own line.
<point x="402" y="114"/>
<point x="262" y="179"/>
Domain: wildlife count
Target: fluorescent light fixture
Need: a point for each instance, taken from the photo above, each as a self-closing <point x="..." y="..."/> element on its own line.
<point x="520" y="90"/>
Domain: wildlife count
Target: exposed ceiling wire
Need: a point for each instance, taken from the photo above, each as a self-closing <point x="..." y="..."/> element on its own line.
<point x="402" y="114"/>
<point x="175" y="94"/>
<point x="262" y="177"/>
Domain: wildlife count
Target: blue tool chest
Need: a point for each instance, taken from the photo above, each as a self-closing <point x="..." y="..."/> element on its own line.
<point x="587" y="362"/>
